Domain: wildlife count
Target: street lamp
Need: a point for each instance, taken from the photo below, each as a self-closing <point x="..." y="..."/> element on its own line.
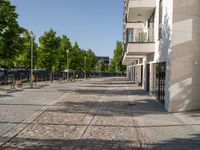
<point x="99" y="67"/>
<point x="67" y="65"/>
<point x="31" y="75"/>
<point x="85" y="67"/>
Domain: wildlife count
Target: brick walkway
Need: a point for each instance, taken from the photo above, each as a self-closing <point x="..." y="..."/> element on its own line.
<point x="104" y="114"/>
<point x="96" y="115"/>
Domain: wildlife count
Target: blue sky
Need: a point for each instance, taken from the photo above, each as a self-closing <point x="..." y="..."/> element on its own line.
<point x="95" y="24"/>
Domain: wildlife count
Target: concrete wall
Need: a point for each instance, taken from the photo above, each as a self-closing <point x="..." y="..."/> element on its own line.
<point x="130" y="73"/>
<point x="138" y="73"/>
<point x="165" y="46"/>
<point x="142" y="3"/>
<point x="185" y="64"/>
<point x="179" y="47"/>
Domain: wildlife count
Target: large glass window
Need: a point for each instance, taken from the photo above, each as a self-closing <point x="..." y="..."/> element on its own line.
<point x="151" y="28"/>
<point x="130" y="35"/>
<point x="151" y="21"/>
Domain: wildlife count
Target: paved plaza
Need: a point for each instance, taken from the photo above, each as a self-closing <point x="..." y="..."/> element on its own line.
<point x="94" y="114"/>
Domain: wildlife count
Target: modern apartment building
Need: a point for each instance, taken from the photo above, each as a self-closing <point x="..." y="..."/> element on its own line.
<point x="162" y="50"/>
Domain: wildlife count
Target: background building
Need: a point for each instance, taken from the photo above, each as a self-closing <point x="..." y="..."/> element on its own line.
<point x="106" y="60"/>
<point x="162" y="50"/>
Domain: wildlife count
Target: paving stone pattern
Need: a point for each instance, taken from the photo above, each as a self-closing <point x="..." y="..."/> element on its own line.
<point x="93" y="116"/>
<point x="102" y="114"/>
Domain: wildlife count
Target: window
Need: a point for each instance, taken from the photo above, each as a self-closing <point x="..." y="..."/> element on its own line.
<point x="129" y="35"/>
<point x="151" y="28"/>
<point x="151" y="21"/>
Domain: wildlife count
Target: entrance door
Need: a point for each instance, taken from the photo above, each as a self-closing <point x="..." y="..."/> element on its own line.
<point x="148" y="77"/>
<point x="141" y="75"/>
<point x="134" y="74"/>
<point x="160" y="81"/>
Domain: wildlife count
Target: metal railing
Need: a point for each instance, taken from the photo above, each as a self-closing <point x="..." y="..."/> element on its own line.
<point x="10" y="78"/>
<point x="140" y="35"/>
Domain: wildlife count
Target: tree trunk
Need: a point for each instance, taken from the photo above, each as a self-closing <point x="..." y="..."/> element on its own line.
<point x="51" y="76"/>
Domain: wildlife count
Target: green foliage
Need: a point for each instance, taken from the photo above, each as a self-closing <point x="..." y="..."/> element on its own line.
<point x="49" y="52"/>
<point x="23" y="59"/>
<point x="52" y="54"/>
<point x="9" y="33"/>
<point x="90" y="60"/>
<point x="101" y="66"/>
<point x="111" y="67"/>
<point x="76" y="58"/>
<point x="15" y="47"/>
<point x="65" y="45"/>
<point x="116" y="63"/>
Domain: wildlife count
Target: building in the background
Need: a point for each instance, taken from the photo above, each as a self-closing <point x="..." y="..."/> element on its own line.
<point x="162" y="50"/>
<point x="105" y="59"/>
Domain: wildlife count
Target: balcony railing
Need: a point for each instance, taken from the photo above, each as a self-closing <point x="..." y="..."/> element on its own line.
<point x="141" y="35"/>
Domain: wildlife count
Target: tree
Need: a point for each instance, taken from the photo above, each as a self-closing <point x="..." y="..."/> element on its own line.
<point x="117" y="57"/>
<point x="101" y="66"/>
<point x="65" y="45"/>
<point x="90" y="60"/>
<point x="24" y="57"/>
<point x="49" y="51"/>
<point x="76" y="57"/>
<point x="111" y="66"/>
<point x="9" y="33"/>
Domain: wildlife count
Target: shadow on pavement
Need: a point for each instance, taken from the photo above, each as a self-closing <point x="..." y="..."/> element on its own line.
<point x="113" y="83"/>
<point x="5" y="95"/>
<point x="14" y="90"/>
<point x="107" y="92"/>
<point x="193" y="114"/>
<point x="106" y="108"/>
<point x="106" y="86"/>
<point x="100" y="144"/>
<point x="69" y="144"/>
<point x="192" y="143"/>
<point x="110" y="108"/>
<point x="37" y="86"/>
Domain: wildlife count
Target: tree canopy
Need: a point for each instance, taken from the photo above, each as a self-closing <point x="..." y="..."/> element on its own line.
<point x="22" y="59"/>
<point x="65" y="45"/>
<point x="50" y="53"/>
<point x="90" y="60"/>
<point x="49" y="50"/>
<point x="116" y="62"/>
<point x="9" y="33"/>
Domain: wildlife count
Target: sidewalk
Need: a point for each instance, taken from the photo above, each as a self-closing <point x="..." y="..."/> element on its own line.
<point x="4" y="89"/>
<point x="162" y="130"/>
<point x="8" y="89"/>
<point x="106" y="114"/>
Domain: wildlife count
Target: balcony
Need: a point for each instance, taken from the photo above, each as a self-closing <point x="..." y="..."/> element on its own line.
<point x="140" y="35"/>
<point x="139" y="42"/>
<point x="129" y="59"/>
<point x="139" y="10"/>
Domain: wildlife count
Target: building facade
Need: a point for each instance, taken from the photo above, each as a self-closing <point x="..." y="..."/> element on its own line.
<point x="105" y="59"/>
<point x="162" y="50"/>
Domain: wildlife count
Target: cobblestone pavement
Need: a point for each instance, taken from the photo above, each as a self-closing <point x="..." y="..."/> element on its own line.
<point x="95" y="115"/>
<point x="103" y="114"/>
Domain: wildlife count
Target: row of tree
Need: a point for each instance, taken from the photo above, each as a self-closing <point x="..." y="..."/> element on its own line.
<point x="53" y="52"/>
